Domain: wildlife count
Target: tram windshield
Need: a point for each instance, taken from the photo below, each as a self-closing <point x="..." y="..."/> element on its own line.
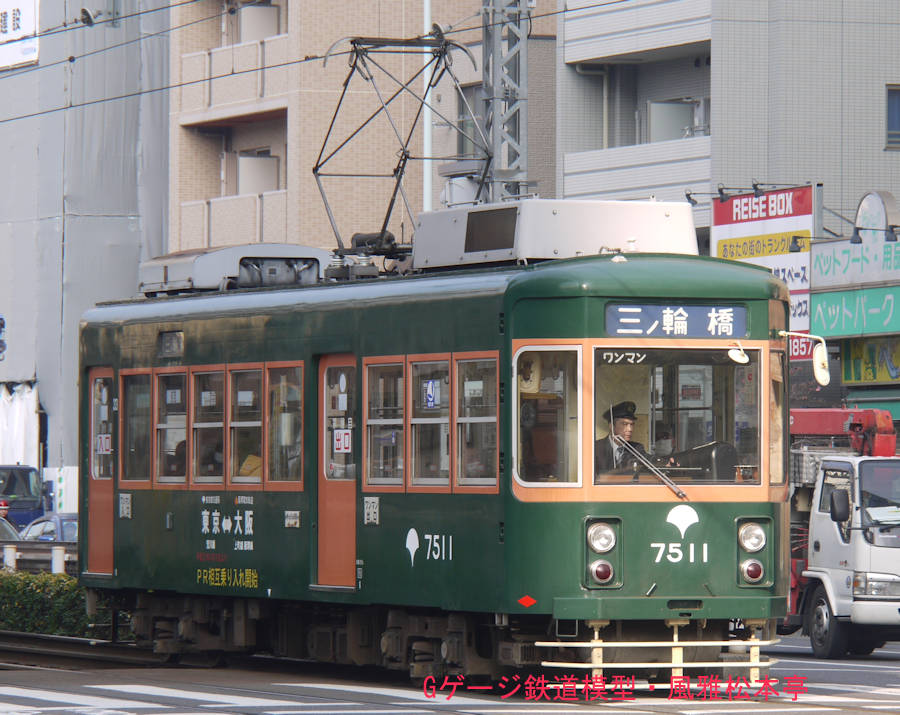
<point x="691" y="414"/>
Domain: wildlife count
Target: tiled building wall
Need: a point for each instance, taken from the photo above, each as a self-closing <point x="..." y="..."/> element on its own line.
<point x="290" y="108"/>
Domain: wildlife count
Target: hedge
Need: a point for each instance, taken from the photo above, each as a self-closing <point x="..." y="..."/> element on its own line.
<point x="46" y="603"/>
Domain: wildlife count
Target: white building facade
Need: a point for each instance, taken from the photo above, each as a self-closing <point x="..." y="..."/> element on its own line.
<point x="659" y="97"/>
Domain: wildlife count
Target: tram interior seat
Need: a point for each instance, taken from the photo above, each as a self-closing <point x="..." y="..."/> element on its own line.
<point x="542" y="461"/>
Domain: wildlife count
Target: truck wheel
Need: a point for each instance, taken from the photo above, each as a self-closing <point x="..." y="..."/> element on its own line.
<point x="827" y="636"/>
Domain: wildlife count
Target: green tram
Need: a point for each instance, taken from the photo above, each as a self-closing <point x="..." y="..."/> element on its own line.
<point x="403" y="471"/>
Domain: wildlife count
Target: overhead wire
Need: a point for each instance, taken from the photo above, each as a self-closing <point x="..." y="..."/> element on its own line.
<point x="178" y="85"/>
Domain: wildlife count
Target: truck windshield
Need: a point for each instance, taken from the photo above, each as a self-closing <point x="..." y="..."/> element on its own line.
<point x="20" y="484"/>
<point x="879" y="482"/>
<point x="694" y="414"/>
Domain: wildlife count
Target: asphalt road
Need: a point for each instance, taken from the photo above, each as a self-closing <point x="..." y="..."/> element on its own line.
<point x="859" y="685"/>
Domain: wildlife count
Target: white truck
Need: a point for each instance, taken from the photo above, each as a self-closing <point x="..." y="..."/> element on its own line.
<point x="845" y="530"/>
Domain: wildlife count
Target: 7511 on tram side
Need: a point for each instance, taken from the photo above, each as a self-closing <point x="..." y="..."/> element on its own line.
<point x="404" y="471"/>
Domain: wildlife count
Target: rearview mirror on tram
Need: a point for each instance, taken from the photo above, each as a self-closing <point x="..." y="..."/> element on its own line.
<point x="819" y="355"/>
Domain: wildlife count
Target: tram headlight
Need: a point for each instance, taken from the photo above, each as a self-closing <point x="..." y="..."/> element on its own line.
<point x="602" y="571"/>
<point x="752" y="537"/>
<point x="752" y="570"/>
<point x="601" y="537"/>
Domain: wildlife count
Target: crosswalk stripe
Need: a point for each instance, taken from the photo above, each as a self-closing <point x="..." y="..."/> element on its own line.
<point x="213" y="698"/>
<point x="71" y="699"/>
<point x="415" y="695"/>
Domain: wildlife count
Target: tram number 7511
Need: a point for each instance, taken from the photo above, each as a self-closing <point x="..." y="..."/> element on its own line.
<point x="675" y="552"/>
<point x="440" y="547"/>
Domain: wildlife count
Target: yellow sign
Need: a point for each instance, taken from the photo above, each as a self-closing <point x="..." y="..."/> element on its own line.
<point x="871" y="361"/>
<point x="228" y="577"/>
<point x="771" y="244"/>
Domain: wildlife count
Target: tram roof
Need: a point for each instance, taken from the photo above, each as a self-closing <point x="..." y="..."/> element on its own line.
<point x="613" y="275"/>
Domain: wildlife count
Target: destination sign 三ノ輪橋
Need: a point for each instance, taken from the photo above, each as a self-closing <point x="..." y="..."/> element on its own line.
<point x="676" y="321"/>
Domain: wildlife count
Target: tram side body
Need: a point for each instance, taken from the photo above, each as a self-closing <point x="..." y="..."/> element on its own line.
<point x="491" y="574"/>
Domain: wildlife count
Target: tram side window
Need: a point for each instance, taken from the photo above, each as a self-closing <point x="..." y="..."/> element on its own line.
<point x="101" y="429"/>
<point x="171" y="427"/>
<point x="777" y="454"/>
<point x="136" y="427"/>
<point x="208" y="425"/>
<point x="337" y="430"/>
<point x="430" y="423"/>
<point x="384" y="424"/>
<point x="246" y="425"/>
<point x="476" y="422"/>
<point x="547" y="406"/>
<point x="285" y="427"/>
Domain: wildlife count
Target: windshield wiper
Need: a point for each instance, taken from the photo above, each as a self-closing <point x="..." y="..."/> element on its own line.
<point x="882" y="526"/>
<point x="656" y="472"/>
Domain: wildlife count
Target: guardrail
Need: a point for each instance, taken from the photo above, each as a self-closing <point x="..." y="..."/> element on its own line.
<point x="40" y="556"/>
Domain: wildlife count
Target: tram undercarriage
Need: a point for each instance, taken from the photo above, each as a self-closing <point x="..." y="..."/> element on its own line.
<point x="438" y="644"/>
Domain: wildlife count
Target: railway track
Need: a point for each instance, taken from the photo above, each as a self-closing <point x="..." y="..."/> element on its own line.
<point x="41" y="650"/>
<point x="36" y="649"/>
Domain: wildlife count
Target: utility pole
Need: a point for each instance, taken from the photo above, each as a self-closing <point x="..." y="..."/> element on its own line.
<point x="505" y="79"/>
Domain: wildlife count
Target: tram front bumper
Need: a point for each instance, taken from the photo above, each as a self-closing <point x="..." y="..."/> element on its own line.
<point x="610" y="608"/>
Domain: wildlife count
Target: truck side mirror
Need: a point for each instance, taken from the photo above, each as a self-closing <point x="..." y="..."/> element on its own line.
<point x="840" y="505"/>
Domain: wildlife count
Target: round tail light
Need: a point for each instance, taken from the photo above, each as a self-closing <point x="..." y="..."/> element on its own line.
<point x="752" y="571"/>
<point x="602" y="571"/>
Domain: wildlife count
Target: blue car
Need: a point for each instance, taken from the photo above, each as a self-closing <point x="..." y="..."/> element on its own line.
<point x="56" y="526"/>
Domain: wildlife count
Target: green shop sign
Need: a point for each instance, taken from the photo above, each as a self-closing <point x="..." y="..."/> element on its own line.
<point x="853" y="313"/>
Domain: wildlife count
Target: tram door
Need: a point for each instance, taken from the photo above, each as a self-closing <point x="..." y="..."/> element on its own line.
<point x="100" y="463"/>
<point x="338" y="437"/>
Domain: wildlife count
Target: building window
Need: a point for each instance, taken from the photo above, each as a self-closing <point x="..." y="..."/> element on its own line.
<point x="468" y="140"/>
<point x="893" y="117"/>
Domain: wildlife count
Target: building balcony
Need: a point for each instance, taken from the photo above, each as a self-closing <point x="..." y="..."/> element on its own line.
<point x="662" y="169"/>
<point x="247" y="78"/>
<point x="232" y="220"/>
<point x="636" y="31"/>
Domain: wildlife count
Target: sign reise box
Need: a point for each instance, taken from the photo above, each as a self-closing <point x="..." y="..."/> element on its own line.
<point x="18" y="33"/>
<point x="760" y="230"/>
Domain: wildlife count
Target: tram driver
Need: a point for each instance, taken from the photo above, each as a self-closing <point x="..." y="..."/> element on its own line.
<point x="610" y="455"/>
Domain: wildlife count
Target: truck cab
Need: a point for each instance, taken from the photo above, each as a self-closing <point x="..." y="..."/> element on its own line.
<point x="846" y="543"/>
<point x="22" y="488"/>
